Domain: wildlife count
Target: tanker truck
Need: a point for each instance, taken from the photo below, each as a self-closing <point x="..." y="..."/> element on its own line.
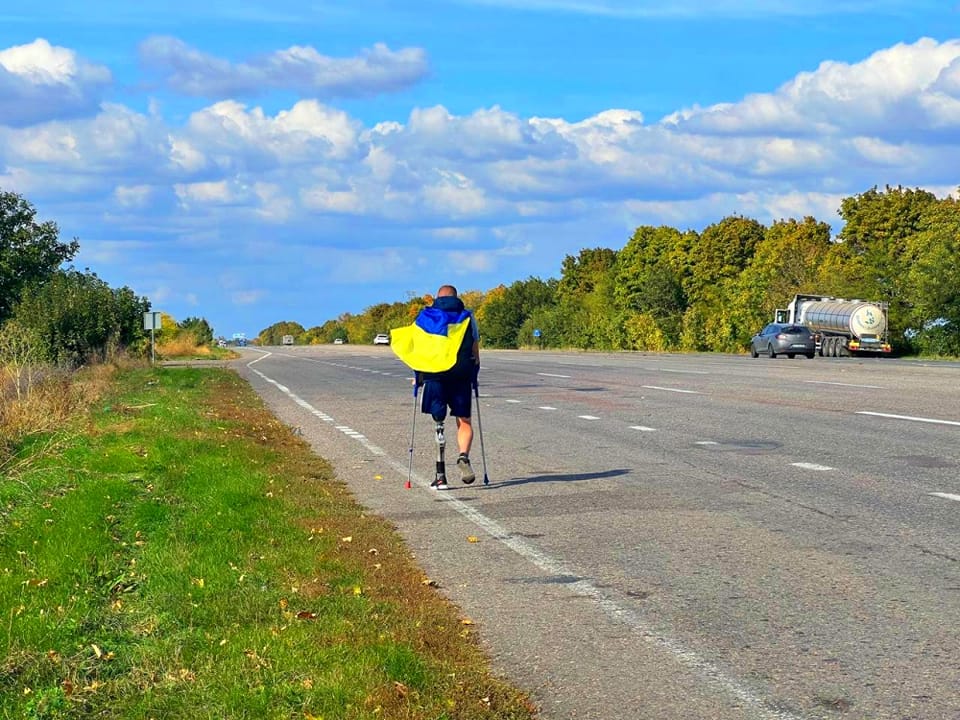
<point x="841" y="327"/>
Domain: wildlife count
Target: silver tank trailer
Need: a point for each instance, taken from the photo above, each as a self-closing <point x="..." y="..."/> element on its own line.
<point x="860" y="319"/>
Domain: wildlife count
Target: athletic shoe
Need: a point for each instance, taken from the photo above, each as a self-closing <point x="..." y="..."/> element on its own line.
<point x="463" y="462"/>
<point x="439" y="484"/>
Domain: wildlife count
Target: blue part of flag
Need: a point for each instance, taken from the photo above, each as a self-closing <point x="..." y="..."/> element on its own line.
<point x="435" y="321"/>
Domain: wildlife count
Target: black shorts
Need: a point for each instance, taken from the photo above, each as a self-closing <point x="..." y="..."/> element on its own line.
<point x="453" y="393"/>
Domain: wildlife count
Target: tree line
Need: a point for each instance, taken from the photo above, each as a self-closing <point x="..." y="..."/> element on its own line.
<point x="673" y="290"/>
<point x="52" y="313"/>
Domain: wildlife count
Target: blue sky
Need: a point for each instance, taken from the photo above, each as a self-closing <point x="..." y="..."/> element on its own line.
<point x="252" y="161"/>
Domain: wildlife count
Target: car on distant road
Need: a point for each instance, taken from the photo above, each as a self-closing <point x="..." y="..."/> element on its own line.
<point x="783" y="339"/>
<point x="381" y="339"/>
<point x="338" y="341"/>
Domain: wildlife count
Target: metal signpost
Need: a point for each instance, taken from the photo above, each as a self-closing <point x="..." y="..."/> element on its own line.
<point x="152" y="322"/>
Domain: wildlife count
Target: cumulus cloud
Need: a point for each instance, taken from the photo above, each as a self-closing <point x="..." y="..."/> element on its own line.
<point x="301" y="69"/>
<point x="906" y="90"/>
<point x="40" y="82"/>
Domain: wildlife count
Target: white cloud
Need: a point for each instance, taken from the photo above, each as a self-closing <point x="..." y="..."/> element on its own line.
<point x="302" y="69"/>
<point x="133" y="196"/>
<point x="41" y="82"/>
<point x="888" y="94"/>
<point x="247" y="297"/>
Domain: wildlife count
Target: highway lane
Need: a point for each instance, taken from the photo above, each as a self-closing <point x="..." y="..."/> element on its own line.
<point x="676" y="536"/>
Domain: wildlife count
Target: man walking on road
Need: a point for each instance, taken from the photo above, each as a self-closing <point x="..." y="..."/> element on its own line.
<point x="448" y="332"/>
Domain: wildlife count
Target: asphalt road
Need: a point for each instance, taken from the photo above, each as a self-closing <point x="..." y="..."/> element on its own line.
<point x="674" y="536"/>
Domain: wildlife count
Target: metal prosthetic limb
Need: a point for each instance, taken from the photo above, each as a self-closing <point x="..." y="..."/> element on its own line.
<point x="441" y="445"/>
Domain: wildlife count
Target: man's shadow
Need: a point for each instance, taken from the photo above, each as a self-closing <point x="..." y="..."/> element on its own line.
<point x="556" y="478"/>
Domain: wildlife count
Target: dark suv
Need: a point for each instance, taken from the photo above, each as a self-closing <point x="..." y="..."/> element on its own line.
<point x="780" y="338"/>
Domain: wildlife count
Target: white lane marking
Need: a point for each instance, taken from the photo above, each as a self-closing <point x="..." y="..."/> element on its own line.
<point x="811" y="466"/>
<point x="825" y="382"/>
<point x="643" y="428"/>
<point x="686" y="372"/>
<point x="706" y="442"/>
<point x="546" y="407"/>
<point x="909" y="417"/>
<point x="553" y="375"/>
<point x="712" y="675"/>
<point x="946" y="496"/>
<point x="588" y="417"/>
<point x="676" y="390"/>
<point x="515" y="402"/>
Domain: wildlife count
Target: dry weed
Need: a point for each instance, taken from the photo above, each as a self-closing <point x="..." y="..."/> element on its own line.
<point x="46" y="405"/>
<point x="184" y="344"/>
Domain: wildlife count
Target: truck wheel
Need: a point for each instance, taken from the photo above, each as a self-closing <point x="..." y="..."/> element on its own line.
<point x="791" y="355"/>
<point x="810" y="356"/>
<point x="770" y="352"/>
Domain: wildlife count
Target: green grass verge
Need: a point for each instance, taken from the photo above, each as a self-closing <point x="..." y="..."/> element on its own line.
<point x="185" y="556"/>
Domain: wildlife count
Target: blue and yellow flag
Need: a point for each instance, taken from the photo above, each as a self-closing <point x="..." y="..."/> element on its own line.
<point x="431" y="343"/>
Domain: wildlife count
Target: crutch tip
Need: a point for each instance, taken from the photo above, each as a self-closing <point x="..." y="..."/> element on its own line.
<point x="407" y="485"/>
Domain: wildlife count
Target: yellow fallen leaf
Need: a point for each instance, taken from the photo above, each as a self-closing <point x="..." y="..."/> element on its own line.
<point x="283" y="603"/>
<point x="473" y="539"/>
<point x="466" y="621"/>
<point x="378" y="477"/>
<point x="348" y="538"/>
<point x="357" y="590"/>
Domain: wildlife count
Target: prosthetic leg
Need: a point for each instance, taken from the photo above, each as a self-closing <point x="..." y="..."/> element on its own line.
<point x="440" y="481"/>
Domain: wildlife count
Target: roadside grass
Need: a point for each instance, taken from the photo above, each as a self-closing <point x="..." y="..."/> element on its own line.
<point x="184" y="555"/>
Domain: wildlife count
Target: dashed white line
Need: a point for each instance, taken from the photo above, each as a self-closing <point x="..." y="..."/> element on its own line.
<point x="812" y="466"/>
<point x="588" y="417"/>
<point x="643" y="428"/>
<point x="546" y="407"/>
<point x="947" y="496"/>
<point x="515" y="402"/>
<point x="825" y="382"/>
<point x="676" y="390"/>
<point x="686" y="372"/>
<point x="706" y="442"/>
<point x="553" y="375"/>
<point x="909" y="417"/>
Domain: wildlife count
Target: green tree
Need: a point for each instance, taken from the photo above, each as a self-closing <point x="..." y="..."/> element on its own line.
<point x="870" y="261"/>
<point x="78" y="317"/>
<point x="586" y="299"/>
<point x="649" y="287"/>
<point x="722" y="252"/>
<point x="199" y="328"/>
<point x="787" y="261"/>
<point x="30" y="252"/>
<point x="932" y="283"/>
<point x="505" y="310"/>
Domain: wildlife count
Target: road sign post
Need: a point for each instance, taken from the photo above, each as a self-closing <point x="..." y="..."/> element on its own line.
<point x="152" y="322"/>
